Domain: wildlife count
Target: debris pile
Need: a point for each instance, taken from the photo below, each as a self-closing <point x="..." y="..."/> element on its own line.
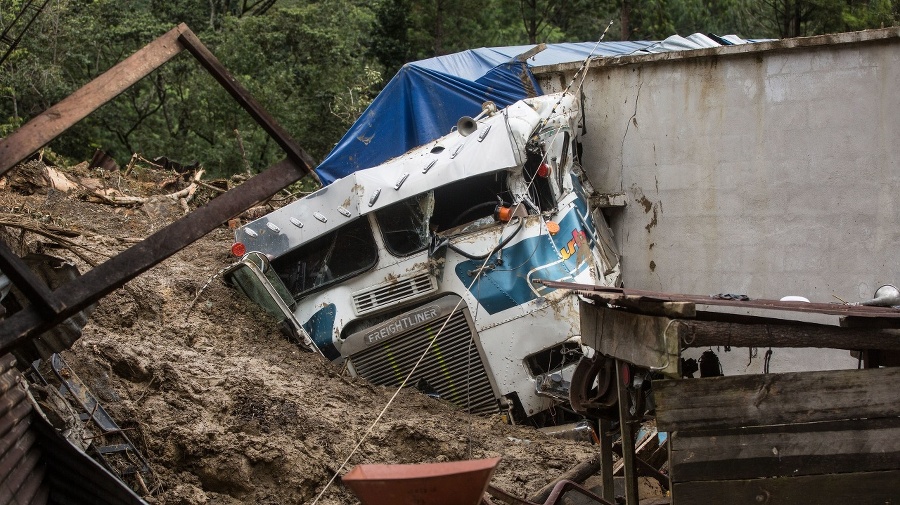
<point x="222" y="406"/>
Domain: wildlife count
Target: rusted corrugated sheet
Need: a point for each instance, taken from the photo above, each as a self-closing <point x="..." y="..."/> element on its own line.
<point x="21" y="471"/>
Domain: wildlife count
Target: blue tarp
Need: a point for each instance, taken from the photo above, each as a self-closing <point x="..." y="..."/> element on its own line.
<point x="426" y="98"/>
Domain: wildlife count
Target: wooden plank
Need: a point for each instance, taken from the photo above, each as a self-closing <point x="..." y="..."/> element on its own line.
<point x="627" y="432"/>
<point x="49" y="124"/>
<point x="647" y="341"/>
<point x="786" y="450"/>
<point x="696" y="333"/>
<point x="606" y="454"/>
<point x="865" y="488"/>
<point x="784" y="398"/>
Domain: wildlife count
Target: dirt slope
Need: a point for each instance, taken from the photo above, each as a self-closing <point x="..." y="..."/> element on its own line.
<point x="225" y="409"/>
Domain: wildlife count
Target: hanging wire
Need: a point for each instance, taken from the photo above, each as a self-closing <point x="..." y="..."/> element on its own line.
<point x="480" y="271"/>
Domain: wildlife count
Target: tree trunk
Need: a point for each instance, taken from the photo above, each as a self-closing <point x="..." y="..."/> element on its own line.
<point x="439" y="28"/>
<point x="626" y="19"/>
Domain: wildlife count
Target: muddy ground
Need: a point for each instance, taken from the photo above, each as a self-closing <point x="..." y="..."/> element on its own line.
<point x="224" y="408"/>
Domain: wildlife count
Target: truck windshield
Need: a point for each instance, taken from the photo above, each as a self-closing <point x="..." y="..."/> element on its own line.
<point x="404" y="225"/>
<point x="329" y="259"/>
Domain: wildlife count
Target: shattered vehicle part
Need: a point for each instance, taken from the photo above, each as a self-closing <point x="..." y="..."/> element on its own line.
<point x="51" y="272"/>
<point x="434" y="255"/>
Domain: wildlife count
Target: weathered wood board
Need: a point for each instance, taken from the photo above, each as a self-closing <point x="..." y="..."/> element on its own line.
<point x="786" y="450"/>
<point x="864" y="488"/>
<point x="784" y="398"/>
<point x="647" y="341"/>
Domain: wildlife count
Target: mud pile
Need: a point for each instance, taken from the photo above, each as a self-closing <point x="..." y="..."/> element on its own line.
<point x="224" y="408"/>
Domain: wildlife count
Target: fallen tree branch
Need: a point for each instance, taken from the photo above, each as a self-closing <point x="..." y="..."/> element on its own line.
<point x="185" y="194"/>
<point x="578" y="473"/>
<point x="62" y="241"/>
<point x="210" y="186"/>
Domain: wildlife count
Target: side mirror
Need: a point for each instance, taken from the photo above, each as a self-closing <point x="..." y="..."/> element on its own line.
<point x="259" y="259"/>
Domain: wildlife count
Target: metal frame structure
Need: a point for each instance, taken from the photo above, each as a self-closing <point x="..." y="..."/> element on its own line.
<point x="49" y="308"/>
<point x="640" y="328"/>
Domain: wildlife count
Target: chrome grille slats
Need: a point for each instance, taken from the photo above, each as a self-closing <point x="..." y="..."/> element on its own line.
<point x="393" y="292"/>
<point x="453" y="366"/>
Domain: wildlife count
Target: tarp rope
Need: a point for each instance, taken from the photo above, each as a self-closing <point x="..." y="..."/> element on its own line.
<point x="406" y="379"/>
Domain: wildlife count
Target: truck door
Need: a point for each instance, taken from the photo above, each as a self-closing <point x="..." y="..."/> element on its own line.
<point x="254" y="276"/>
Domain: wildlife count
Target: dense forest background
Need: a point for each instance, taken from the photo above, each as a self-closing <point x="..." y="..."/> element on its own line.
<point x="315" y="65"/>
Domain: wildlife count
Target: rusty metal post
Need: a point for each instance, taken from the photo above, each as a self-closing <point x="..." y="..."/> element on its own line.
<point x="50" y="308"/>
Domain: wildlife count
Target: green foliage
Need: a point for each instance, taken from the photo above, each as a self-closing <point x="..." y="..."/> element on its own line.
<point x="390" y="36"/>
<point x="316" y="64"/>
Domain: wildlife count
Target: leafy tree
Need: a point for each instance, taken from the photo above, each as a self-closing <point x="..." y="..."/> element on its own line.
<point x="391" y="45"/>
<point x="300" y="60"/>
<point x="316" y="64"/>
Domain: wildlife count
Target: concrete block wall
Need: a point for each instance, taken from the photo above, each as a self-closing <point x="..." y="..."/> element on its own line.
<point x="769" y="169"/>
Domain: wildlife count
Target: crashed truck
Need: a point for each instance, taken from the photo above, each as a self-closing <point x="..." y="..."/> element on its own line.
<point x="447" y="242"/>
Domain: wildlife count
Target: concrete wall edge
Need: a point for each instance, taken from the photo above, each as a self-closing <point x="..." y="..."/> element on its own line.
<point x="889" y="34"/>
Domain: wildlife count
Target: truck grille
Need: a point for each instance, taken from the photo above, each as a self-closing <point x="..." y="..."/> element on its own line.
<point x="393" y="292"/>
<point x="453" y="365"/>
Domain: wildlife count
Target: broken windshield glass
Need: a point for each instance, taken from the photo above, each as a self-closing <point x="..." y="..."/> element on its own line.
<point x="404" y="225"/>
<point x="329" y="259"/>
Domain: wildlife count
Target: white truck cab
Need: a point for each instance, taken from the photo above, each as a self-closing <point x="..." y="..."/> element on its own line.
<point x="427" y="263"/>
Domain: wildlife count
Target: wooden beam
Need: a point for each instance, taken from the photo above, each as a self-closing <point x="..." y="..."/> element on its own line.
<point x="606" y="455"/>
<point x="106" y="277"/>
<point x="760" y="400"/>
<point x="697" y="333"/>
<point x="646" y="341"/>
<point x="49" y="124"/>
<point x="836" y="489"/>
<point x="627" y="432"/>
<point x="787" y="450"/>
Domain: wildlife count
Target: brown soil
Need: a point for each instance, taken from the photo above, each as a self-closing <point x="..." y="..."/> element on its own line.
<point x="224" y="408"/>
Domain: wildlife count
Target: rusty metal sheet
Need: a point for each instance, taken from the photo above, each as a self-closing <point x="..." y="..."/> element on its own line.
<point x="890" y="316"/>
